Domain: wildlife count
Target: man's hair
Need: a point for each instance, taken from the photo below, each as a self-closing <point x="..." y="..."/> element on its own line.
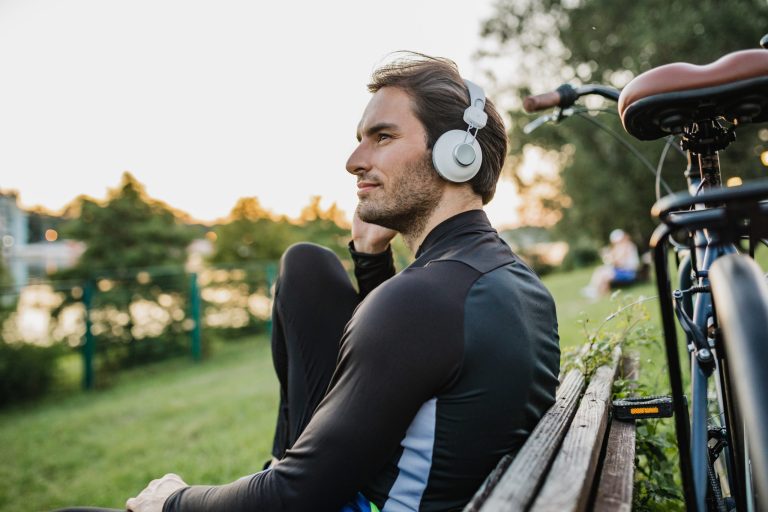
<point x="439" y="98"/>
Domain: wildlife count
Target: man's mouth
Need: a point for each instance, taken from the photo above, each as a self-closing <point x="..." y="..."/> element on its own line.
<point x="366" y="186"/>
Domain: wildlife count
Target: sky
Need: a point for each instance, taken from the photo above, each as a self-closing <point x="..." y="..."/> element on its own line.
<point x="207" y="101"/>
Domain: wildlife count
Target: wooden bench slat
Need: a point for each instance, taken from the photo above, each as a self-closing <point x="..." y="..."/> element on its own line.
<point x="517" y="486"/>
<point x="614" y="493"/>
<point x="569" y="482"/>
<point x="489" y="484"/>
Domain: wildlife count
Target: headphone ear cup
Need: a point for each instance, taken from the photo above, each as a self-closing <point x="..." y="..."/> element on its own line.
<point x="445" y="161"/>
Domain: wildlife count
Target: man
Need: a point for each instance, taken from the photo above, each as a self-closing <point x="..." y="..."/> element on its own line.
<point x="443" y="368"/>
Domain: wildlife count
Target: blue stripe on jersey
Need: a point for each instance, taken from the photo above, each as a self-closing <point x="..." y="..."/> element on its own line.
<point x="416" y="461"/>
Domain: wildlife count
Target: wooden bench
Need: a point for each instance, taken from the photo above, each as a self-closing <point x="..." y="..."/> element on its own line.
<point x="575" y="459"/>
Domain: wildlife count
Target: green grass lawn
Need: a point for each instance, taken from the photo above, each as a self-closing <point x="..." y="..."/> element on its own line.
<point x="573" y="309"/>
<point x="210" y="422"/>
<point x="578" y="316"/>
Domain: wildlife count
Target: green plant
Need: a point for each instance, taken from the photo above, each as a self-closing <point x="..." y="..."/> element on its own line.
<point x="630" y="328"/>
<point x="657" y="484"/>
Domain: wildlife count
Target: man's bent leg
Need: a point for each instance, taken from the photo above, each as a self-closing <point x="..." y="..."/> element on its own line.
<point x="314" y="300"/>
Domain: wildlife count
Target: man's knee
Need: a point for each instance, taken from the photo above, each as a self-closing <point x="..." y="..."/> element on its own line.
<point x="303" y="256"/>
<point x="307" y="264"/>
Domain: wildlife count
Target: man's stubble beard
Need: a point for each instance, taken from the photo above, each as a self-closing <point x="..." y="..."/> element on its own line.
<point x="409" y="202"/>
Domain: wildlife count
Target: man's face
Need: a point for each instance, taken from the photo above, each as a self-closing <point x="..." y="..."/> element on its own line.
<point x="397" y="186"/>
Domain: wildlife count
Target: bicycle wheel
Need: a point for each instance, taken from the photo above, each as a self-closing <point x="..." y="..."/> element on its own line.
<point x="740" y="296"/>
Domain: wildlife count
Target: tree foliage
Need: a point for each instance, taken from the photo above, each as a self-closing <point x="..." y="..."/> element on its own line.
<point x="39" y="221"/>
<point x="133" y="267"/>
<point x="251" y="235"/>
<point x="254" y="234"/>
<point x="127" y="232"/>
<point x="531" y="46"/>
<point x="325" y="227"/>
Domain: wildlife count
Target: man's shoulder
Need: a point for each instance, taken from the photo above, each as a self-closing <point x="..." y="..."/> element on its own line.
<point x="483" y="252"/>
<point x="404" y="318"/>
<point x="422" y="287"/>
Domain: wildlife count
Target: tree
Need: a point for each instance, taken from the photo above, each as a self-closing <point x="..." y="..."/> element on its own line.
<point x="328" y="227"/>
<point x="248" y="246"/>
<point x="531" y="46"/>
<point x="39" y="221"/>
<point x="251" y="234"/>
<point x="134" y="266"/>
<point x="127" y="232"/>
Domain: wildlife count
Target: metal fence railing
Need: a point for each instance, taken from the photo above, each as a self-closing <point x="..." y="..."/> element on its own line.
<point x="118" y="320"/>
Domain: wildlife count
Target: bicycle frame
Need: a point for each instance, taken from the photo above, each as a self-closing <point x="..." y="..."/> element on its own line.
<point x="705" y="355"/>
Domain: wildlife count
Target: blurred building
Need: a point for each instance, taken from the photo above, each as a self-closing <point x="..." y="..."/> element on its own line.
<point x="44" y="258"/>
<point x="13" y="235"/>
<point x="30" y="261"/>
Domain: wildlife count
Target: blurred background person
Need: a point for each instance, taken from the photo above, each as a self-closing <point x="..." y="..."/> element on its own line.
<point x="621" y="263"/>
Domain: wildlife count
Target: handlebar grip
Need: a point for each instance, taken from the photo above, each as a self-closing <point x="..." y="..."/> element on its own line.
<point x="563" y="97"/>
<point x="541" y="101"/>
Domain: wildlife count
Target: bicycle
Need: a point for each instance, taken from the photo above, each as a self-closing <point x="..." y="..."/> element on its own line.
<point x="721" y="301"/>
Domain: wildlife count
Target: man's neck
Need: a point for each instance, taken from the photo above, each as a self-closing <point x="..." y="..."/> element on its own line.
<point x="455" y="200"/>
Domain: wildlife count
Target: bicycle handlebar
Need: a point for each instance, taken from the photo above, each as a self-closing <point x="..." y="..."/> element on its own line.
<point x="563" y="97"/>
<point x="566" y="95"/>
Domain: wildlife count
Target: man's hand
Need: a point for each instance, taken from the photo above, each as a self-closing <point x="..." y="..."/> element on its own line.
<point x="153" y="497"/>
<point x="370" y="238"/>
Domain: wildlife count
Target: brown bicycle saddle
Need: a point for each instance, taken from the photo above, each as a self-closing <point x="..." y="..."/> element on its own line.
<point x="663" y="100"/>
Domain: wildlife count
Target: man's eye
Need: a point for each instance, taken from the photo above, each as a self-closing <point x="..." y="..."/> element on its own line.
<point x="382" y="137"/>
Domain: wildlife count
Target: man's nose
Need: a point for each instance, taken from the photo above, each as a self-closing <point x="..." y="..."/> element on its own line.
<point x="358" y="161"/>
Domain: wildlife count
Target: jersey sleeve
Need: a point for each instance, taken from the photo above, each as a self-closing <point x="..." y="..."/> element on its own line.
<point x="371" y="269"/>
<point x="388" y="367"/>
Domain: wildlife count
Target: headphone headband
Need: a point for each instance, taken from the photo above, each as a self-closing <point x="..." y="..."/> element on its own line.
<point x="475" y="115"/>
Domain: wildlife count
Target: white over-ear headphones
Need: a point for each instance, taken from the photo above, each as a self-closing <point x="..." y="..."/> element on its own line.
<point x="456" y="154"/>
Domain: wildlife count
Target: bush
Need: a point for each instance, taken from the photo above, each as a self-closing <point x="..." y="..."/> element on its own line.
<point x="536" y="262"/>
<point x="26" y="371"/>
<point x="580" y="254"/>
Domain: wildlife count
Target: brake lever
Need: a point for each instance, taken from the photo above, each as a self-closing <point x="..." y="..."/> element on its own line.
<point x="556" y="116"/>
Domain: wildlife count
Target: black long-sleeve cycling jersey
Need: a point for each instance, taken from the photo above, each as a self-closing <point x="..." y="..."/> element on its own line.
<point x="443" y="369"/>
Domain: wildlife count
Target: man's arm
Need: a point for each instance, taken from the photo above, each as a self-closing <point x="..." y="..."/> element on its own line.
<point x="371" y="269"/>
<point x="372" y="254"/>
<point x="388" y="368"/>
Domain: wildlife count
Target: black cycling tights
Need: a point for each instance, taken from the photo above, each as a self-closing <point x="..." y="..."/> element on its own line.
<point x="314" y="300"/>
